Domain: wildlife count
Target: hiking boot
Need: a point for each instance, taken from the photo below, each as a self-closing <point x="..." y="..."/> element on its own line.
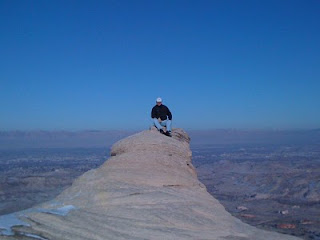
<point x="161" y="131"/>
<point x="168" y="133"/>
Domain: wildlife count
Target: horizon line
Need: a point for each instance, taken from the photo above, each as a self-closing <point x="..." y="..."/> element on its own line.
<point x="142" y="129"/>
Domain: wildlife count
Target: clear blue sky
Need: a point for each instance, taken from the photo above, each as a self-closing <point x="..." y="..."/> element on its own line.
<point x="217" y="64"/>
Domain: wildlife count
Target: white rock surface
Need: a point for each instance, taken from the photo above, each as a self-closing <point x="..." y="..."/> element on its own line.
<point x="148" y="189"/>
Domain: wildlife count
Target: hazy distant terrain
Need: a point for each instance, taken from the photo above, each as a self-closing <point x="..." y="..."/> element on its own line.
<point x="96" y="138"/>
<point x="271" y="186"/>
<point x="269" y="179"/>
<point x="60" y="139"/>
<point x="233" y="136"/>
<point x="34" y="175"/>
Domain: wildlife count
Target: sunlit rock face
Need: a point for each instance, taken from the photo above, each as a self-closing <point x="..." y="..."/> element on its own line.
<point x="148" y="189"/>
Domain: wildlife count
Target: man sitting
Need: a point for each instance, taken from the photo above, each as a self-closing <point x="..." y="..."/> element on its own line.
<point x="161" y="117"/>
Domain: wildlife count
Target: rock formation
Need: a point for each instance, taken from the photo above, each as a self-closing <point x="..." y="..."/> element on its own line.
<point x="148" y="189"/>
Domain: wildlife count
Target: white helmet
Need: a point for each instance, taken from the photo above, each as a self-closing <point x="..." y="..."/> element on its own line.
<point x="159" y="99"/>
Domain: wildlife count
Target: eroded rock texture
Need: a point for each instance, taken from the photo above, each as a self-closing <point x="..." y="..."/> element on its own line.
<point x="148" y="189"/>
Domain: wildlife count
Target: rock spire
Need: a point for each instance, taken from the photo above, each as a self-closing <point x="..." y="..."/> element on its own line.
<point x="148" y="189"/>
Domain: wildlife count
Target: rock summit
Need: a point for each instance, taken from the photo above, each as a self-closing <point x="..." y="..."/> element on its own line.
<point x="147" y="189"/>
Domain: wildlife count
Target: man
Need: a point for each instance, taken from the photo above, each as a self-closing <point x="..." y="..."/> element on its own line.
<point x="161" y="117"/>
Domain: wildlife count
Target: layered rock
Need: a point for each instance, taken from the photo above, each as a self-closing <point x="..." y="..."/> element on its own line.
<point x="148" y="189"/>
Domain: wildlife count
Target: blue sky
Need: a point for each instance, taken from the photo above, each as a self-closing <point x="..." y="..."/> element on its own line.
<point x="75" y="65"/>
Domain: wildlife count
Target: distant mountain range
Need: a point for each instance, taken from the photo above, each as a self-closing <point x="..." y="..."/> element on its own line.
<point x="255" y="136"/>
<point x="57" y="139"/>
<point x="99" y="138"/>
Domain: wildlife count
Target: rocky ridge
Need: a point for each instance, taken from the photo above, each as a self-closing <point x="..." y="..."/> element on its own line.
<point x="148" y="189"/>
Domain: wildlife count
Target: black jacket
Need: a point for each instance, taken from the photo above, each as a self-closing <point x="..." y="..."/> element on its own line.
<point x="161" y="111"/>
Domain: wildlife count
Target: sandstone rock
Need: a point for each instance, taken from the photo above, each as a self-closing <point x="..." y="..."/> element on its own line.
<point x="306" y="222"/>
<point x="148" y="189"/>
<point x="261" y="196"/>
<point x="284" y="212"/>
<point x="286" y="226"/>
<point x="247" y="215"/>
<point x="242" y="208"/>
